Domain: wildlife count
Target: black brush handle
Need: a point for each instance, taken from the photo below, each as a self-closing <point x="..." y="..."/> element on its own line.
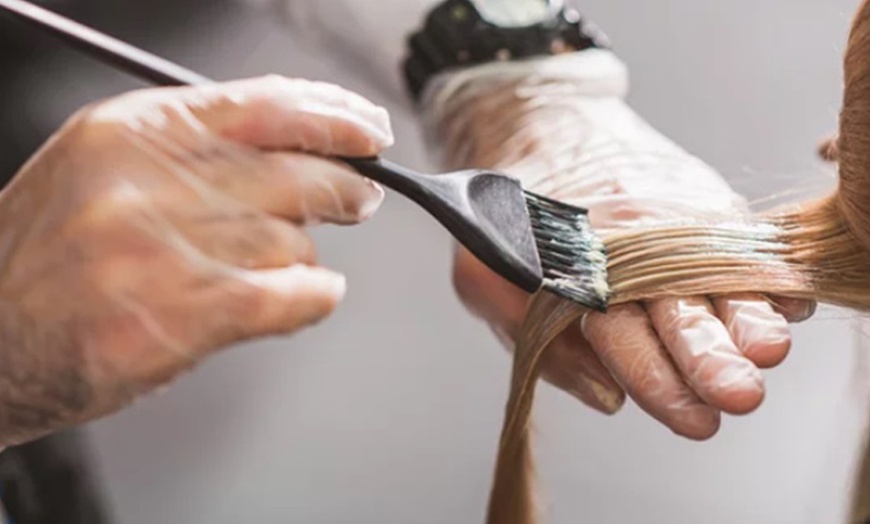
<point x="435" y="193"/>
<point x="446" y="197"/>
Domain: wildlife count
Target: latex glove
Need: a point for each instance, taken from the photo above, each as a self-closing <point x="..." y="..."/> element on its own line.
<point x="571" y="136"/>
<point x="157" y="227"/>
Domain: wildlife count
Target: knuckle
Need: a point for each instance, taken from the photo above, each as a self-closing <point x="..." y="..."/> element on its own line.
<point x="253" y="234"/>
<point x="327" y="93"/>
<point x="273" y="85"/>
<point x="305" y="249"/>
<point x="256" y="108"/>
<point x="113" y="265"/>
<point x="647" y="375"/>
<point x="109" y="123"/>
<point x="291" y="243"/>
<point x="341" y="98"/>
<point x="110" y="209"/>
<point x="94" y="125"/>
<point x="623" y="326"/>
<point x="686" y="314"/>
<point x="280" y="81"/>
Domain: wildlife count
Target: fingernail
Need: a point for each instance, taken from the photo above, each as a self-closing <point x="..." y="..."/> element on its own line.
<point x="325" y="280"/>
<point x="382" y="128"/>
<point x="337" y="284"/>
<point x="597" y="395"/>
<point x="808" y="311"/>
<point x="794" y="310"/>
<point x="610" y="399"/>
<point x="689" y="417"/>
<point x="704" y="422"/>
<point x="373" y="201"/>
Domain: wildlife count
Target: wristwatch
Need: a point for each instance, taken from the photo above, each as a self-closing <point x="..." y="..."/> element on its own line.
<point x="463" y="33"/>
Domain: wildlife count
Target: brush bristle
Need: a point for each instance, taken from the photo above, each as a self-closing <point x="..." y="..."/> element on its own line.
<point x="573" y="258"/>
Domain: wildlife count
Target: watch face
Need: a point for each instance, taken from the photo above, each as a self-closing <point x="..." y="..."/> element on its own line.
<point x="517" y="13"/>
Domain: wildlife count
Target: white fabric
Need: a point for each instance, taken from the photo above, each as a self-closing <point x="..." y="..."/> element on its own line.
<point x="367" y="34"/>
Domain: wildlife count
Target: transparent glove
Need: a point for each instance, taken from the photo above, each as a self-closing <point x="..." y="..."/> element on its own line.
<point x="157" y="227"/>
<point x="562" y="127"/>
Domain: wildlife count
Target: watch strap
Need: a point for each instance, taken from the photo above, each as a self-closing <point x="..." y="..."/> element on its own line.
<point x="456" y="35"/>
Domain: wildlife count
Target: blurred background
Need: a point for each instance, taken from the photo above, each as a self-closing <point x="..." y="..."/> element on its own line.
<point x="390" y="412"/>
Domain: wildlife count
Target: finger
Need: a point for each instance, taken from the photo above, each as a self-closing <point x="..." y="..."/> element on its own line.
<point x="761" y="334"/>
<point x="255" y="304"/>
<point x="248" y="239"/>
<point x="299" y="187"/>
<point x="629" y="347"/>
<point x="793" y="309"/>
<point x="489" y="296"/>
<point x="702" y="349"/>
<point x="571" y="365"/>
<point x="278" y="113"/>
<point x="568" y="364"/>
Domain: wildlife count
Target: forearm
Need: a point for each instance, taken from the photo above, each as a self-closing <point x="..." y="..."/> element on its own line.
<point x="562" y="125"/>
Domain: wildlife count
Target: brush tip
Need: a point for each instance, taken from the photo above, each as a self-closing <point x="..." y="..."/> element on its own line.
<point x="573" y="258"/>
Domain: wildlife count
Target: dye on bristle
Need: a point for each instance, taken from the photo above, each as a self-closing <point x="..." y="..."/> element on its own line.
<point x="573" y="258"/>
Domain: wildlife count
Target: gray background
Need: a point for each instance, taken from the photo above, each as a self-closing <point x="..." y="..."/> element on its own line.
<point x="390" y="412"/>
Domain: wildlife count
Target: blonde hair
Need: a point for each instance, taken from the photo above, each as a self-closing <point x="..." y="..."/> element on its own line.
<point x="818" y="250"/>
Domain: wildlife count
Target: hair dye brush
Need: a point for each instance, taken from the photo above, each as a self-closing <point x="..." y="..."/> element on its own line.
<point x="528" y="239"/>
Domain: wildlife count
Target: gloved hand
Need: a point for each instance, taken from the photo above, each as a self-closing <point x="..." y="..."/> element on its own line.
<point x="158" y="227"/>
<point x="565" y="131"/>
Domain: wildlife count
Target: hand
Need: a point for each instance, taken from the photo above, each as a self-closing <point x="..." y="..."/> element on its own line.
<point x="685" y="360"/>
<point x="157" y="227"/>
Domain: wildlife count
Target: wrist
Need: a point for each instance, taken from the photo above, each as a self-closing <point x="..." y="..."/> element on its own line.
<point x="593" y="72"/>
<point x="501" y="115"/>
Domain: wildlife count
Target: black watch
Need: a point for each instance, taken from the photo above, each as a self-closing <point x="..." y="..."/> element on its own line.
<point x="462" y="33"/>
